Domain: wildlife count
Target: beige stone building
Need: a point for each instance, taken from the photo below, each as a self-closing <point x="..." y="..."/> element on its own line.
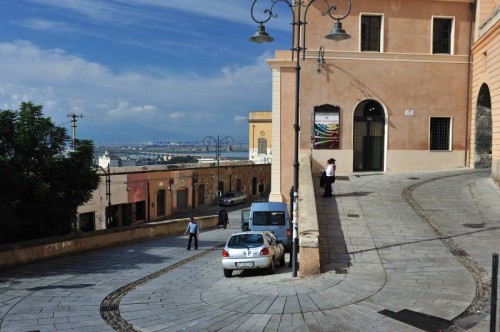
<point x="260" y="137"/>
<point x="393" y="97"/>
<point x="485" y="100"/>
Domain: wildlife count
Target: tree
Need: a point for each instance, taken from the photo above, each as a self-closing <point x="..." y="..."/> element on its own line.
<point x="42" y="184"/>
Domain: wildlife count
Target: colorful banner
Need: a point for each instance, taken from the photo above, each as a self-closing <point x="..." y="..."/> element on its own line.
<point x="327" y="130"/>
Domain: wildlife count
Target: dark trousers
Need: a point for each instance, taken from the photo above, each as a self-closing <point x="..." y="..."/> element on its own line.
<point x="328" y="186"/>
<point x="191" y="236"/>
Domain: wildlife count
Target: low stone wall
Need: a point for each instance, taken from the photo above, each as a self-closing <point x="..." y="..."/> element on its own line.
<point x="308" y="221"/>
<point x="32" y="251"/>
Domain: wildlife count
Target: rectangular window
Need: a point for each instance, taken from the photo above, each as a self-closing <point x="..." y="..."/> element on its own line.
<point x="371" y="33"/>
<point x="440" y="134"/>
<point x="87" y="222"/>
<point x="442" y="35"/>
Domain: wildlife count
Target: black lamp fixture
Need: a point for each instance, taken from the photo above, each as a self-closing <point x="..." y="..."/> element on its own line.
<point x="299" y="10"/>
<point x="337" y="32"/>
<point x="261" y="36"/>
<point x="321" y="58"/>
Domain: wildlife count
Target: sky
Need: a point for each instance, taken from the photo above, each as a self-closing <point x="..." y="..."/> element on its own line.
<point x="139" y="70"/>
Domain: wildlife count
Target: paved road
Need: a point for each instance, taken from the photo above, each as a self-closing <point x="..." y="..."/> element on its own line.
<point x="400" y="252"/>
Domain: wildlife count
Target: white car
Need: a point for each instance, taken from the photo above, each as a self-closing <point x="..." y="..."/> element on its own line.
<point x="252" y="250"/>
<point x="233" y="197"/>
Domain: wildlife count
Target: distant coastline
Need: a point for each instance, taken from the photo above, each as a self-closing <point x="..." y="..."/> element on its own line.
<point x="138" y="153"/>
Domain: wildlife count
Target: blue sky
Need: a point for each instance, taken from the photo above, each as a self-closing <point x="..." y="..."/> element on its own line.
<point x="138" y="70"/>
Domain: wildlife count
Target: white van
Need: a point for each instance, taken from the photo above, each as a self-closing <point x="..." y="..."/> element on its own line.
<point x="274" y="217"/>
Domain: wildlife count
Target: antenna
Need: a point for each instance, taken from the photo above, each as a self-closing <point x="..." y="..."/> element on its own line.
<point x="73" y="126"/>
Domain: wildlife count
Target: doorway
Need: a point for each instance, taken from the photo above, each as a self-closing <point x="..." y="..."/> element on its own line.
<point x="369" y="137"/>
<point x="483" y="130"/>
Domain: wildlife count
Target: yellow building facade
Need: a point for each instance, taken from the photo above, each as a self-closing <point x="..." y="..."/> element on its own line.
<point x="260" y="137"/>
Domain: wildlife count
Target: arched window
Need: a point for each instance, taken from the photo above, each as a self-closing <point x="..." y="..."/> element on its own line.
<point x="262" y="146"/>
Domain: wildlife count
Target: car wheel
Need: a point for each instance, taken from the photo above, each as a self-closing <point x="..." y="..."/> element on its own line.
<point x="231" y="203"/>
<point x="271" y="268"/>
<point x="244" y="201"/>
<point x="228" y="273"/>
<point x="282" y="260"/>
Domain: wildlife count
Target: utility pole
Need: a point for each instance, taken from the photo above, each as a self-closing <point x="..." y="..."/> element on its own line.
<point x="73" y="126"/>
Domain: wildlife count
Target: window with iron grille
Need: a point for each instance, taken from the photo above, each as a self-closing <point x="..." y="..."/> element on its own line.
<point x="371" y="33"/>
<point x="440" y="134"/>
<point x="441" y="37"/>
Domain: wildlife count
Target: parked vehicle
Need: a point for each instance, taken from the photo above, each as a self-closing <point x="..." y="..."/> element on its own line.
<point x="252" y="250"/>
<point x="233" y="197"/>
<point x="273" y="217"/>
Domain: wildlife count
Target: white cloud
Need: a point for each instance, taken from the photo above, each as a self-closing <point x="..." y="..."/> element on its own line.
<point x="176" y="115"/>
<point x="65" y="83"/>
<point x="239" y="119"/>
<point x="46" y="25"/>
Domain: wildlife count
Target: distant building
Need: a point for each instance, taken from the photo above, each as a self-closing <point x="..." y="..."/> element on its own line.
<point x="109" y="160"/>
<point x="260" y="137"/>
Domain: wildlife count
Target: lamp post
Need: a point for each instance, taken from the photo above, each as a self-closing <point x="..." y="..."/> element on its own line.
<point x="299" y="10"/>
<point x="218" y="142"/>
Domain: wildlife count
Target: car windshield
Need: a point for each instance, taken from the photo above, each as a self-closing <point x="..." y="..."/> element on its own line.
<point x="245" y="241"/>
<point x="229" y="195"/>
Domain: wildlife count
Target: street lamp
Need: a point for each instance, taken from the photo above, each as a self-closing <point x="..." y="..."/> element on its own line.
<point x="299" y="10"/>
<point x="218" y="142"/>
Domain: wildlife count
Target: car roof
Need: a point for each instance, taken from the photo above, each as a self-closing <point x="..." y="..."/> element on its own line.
<point x="269" y="206"/>
<point x="251" y="232"/>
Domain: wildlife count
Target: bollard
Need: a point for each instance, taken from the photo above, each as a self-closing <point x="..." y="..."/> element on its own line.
<point x="494" y="286"/>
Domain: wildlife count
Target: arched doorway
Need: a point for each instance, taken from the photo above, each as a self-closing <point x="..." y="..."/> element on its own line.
<point x="368" y="137"/>
<point x="483" y="139"/>
<point x="201" y="195"/>
<point x="161" y="203"/>
<point x="182" y="199"/>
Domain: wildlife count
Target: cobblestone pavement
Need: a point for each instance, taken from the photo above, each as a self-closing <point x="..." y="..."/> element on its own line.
<point x="399" y="252"/>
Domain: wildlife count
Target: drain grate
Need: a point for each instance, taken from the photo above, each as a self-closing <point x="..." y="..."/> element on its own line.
<point x="352" y="215"/>
<point x="418" y="320"/>
<point x="459" y="252"/>
<point x="413" y="178"/>
<point x="112" y="307"/>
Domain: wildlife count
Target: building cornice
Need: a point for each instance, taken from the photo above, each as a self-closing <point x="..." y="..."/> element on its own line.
<point x="259" y="121"/>
<point x="374" y="56"/>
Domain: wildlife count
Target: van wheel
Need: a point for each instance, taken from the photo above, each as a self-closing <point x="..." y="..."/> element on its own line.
<point x="282" y="260"/>
<point x="228" y="273"/>
<point x="271" y="268"/>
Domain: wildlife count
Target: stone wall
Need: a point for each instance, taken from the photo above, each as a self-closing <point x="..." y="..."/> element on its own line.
<point x="32" y="251"/>
<point x="308" y="221"/>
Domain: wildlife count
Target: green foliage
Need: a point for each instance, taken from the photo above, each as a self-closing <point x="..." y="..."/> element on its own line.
<point x="182" y="160"/>
<point x="42" y="187"/>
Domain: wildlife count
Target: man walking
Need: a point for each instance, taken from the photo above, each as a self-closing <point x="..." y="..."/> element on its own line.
<point x="194" y="230"/>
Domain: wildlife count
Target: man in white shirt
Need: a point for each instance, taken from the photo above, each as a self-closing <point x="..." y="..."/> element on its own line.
<point x="194" y="230"/>
<point x="330" y="177"/>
